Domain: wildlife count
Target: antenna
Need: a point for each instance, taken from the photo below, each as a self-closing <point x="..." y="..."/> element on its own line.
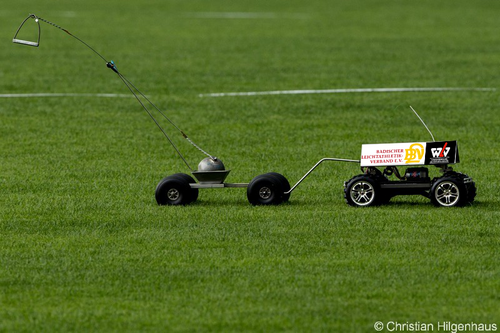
<point x="427" y="128"/>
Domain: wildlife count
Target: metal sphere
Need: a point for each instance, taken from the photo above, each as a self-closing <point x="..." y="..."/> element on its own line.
<point x="209" y="164"/>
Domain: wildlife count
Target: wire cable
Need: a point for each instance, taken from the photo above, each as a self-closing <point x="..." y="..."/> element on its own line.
<point x="170" y="121"/>
<point x="156" y="122"/>
<point x="69" y="33"/>
<point x="133" y="89"/>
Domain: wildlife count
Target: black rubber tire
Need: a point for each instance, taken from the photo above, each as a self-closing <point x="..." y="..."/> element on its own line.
<point x="285" y="185"/>
<point x="194" y="192"/>
<point x="451" y="191"/>
<point x="363" y="184"/>
<point x="265" y="189"/>
<point x="173" y="191"/>
<point x="470" y="186"/>
<point x="471" y="191"/>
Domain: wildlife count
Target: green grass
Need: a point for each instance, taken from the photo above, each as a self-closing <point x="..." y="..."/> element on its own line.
<point x="84" y="247"/>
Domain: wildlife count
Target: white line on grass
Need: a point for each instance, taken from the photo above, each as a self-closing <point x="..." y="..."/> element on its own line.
<point x="63" y="95"/>
<point x="10" y="13"/>
<point x="68" y="14"/>
<point x="246" y="15"/>
<point x="340" y="91"/>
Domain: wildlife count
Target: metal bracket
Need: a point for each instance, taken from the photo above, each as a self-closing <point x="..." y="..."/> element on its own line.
<point x="316" y="165"/>
<point x="27" y="42"/>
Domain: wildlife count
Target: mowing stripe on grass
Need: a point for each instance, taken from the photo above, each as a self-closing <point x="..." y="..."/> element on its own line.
<point x="340" y="91"/>
<point x="63" y="95"/>
<point x="246" y="15"/>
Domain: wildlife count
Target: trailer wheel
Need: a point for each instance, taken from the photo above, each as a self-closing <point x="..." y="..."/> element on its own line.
<point x="265" y="189"/>
<point x="173" y="190"/>
<point x="285" y="185"/>
<point x="362" y="191"/>
<point x="193" y="192"/>
<point x="451" y="190"/>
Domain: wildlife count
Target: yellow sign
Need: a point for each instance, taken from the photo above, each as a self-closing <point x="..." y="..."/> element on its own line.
<point x="415" y="153"/>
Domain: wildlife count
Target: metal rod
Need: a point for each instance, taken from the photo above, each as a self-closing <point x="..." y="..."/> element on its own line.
<point x="316" y="165"/>
<point x="223" y="185"/>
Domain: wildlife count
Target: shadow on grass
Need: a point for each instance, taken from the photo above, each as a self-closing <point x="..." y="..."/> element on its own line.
<point x="485" y="205"/>
<point x="488" y="205"/>
<point x="219" y="203"/>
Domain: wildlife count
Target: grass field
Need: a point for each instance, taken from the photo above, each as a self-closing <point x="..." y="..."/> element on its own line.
<point x="84" y="246"/>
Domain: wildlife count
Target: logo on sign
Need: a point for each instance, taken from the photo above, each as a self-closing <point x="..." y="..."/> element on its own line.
<point x="441" y="152"/>
<point x="415" y="153"/>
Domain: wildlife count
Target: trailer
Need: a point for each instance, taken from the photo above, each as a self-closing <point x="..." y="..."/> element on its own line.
<point x="374" y="186"/>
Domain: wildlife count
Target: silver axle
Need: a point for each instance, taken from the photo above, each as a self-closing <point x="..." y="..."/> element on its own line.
<point x="222" y="185"/>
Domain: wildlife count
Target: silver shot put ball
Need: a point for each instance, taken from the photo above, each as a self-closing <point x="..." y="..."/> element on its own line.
<point x="209" y="164"/>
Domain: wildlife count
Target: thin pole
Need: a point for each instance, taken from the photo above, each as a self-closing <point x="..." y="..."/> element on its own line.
<point x="428" y="130"/>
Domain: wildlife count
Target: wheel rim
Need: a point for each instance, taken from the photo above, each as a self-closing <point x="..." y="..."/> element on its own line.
<point x="265" y="192"/>
<point x="362" y="193"/>
<point x="447" y="193"/>
<point x="173" y="194"/>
